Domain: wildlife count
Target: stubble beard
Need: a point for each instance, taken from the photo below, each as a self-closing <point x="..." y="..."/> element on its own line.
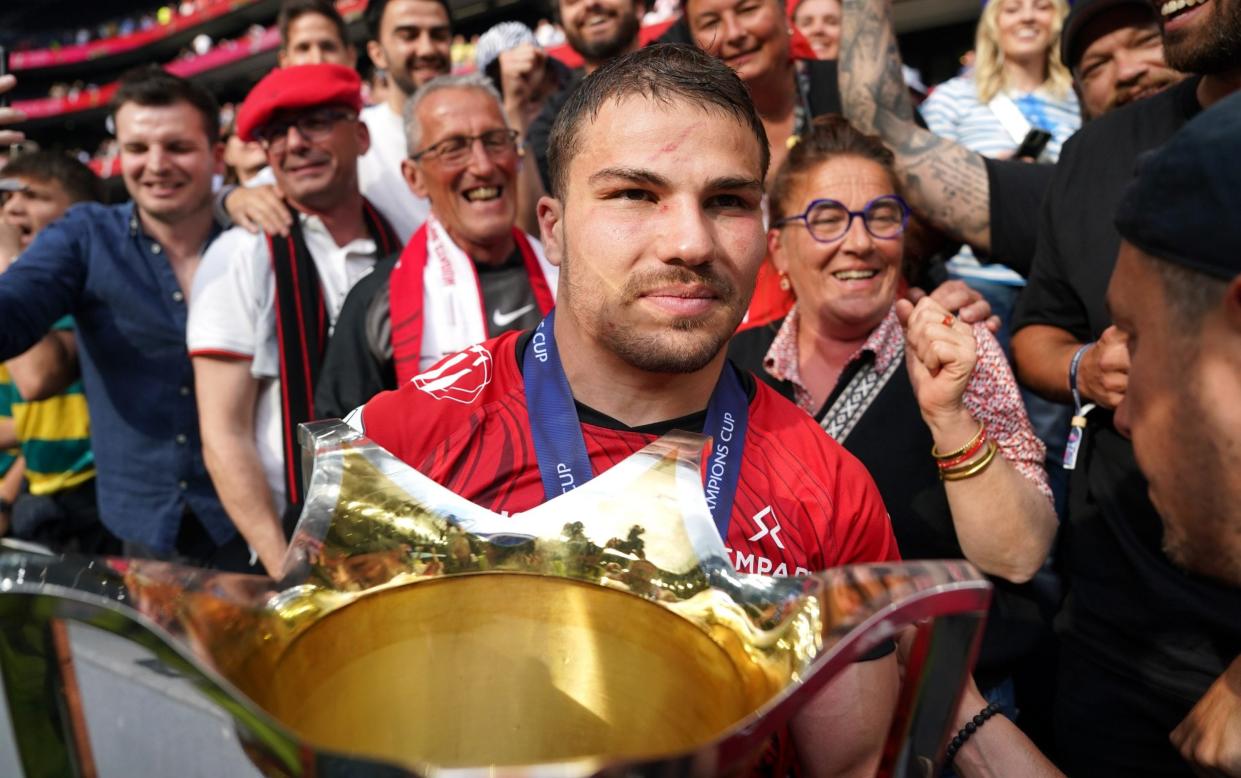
<point x="1214" y="48"/>
<point x="685" y="346"/>
<point x="1159" y="81"/>
<point x="1204" y="534"/>
<point x="402" y="83"/>
<point x="609" y="48"/>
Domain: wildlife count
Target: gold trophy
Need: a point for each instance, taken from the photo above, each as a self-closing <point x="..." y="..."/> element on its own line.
<point x="604" y="632"/>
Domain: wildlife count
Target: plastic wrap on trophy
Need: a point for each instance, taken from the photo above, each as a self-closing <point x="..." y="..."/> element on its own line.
<point x="414" y="633"/>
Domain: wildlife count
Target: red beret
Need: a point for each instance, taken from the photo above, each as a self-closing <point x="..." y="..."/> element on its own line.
<point x="292" y="88"/>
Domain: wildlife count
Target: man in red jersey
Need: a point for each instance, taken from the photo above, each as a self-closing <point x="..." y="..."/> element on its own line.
<point x="657" y="163"/>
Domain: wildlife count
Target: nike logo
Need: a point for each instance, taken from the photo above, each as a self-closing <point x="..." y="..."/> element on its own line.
<point x="505" y="319"/>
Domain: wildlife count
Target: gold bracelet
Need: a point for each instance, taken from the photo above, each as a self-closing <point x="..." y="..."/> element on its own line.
<point x="971" y="470"/>
<point x="954" y="454"/>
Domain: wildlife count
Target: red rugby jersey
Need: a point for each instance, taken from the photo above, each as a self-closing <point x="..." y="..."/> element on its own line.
<point x="803" y="503"/>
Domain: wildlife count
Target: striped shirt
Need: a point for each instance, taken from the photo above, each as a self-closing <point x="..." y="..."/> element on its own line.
<point x="54" y="435"/>
<point x="954" y="111"/>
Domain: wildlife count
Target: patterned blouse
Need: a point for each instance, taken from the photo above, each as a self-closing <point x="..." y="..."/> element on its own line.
<point x="991" y="396"/>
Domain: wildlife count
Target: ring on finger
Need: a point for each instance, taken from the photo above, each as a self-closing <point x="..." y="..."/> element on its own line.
<point x="948" y="320"/>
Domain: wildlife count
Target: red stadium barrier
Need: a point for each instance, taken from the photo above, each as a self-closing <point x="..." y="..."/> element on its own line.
<point x="225" y="53"/>
<point x="44" y="107"/>
<point x="68" y="55"/>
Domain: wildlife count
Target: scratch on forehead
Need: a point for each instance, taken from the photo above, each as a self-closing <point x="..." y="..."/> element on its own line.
<point x="672" y="145"/>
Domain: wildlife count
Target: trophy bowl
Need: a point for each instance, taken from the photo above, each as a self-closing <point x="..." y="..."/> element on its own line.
<point x="604" y="632"/>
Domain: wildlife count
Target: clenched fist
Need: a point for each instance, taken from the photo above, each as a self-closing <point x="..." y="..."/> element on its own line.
<point x="940" y="354"/>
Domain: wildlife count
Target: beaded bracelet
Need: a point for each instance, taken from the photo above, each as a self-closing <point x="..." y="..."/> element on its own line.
<point x="948" y="464"/>
<point x="971" y="469"/>
<point x="968" y="730"/>
<point x="973" y="443"/>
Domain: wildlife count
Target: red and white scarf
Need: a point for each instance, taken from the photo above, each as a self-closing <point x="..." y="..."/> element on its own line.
<point x="436" y="302"/>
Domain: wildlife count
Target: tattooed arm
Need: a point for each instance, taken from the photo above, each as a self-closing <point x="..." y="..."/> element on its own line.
<point x="944" y="182"/>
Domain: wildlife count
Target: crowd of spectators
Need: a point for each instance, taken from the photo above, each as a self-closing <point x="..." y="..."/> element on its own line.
<point x="931" y="350"/>
<point x="157" y="16"/>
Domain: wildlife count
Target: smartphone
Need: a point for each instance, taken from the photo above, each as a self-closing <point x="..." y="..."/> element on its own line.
<point x="1032" y="145"/>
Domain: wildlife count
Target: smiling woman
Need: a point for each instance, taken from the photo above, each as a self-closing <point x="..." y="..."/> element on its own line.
<point x="891" y="381"/>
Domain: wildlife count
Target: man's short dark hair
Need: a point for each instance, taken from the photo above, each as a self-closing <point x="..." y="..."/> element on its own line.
<point x="1190" y="295"/>
<point x="375" y="14"/>
<point x="667" y="73"/>
<point x="292" y="10"/>
<point x="78" y="181"/>
<point x="152" y="86"/>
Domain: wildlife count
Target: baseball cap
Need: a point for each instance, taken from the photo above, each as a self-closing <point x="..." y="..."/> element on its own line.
<point x="1072" y="44"/>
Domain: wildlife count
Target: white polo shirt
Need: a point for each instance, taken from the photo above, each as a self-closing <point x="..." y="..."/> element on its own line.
<point x="232" y="313"/>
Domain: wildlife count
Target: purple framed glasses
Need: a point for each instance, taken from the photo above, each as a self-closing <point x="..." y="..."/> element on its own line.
<point x="884" y="217"/>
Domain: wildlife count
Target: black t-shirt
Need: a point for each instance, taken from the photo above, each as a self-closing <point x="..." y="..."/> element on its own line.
<point x="359" y="364"/>
<point x="893" y="442"/>
<point x="1077" y="242"/>
<point x="1141" y="640"/>
<point x="1017" y="192"/>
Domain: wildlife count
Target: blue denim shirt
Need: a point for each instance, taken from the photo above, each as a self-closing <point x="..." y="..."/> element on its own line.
<point x="97" y="264"/>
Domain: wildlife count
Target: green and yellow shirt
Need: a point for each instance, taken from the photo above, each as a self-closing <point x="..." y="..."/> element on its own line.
<point x="54" y="434"/>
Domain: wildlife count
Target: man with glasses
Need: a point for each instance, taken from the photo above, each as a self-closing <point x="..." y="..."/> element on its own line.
<point x="468" y="274"/>
<point x="264" y="305"/>
<point x="410" y="41"/>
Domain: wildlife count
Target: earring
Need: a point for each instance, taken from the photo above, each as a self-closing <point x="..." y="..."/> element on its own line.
<point x="785" y="284"/>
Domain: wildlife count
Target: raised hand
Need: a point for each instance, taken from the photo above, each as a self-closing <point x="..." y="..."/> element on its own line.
<point x="9" y="115"/>
<point x="940" y="354"/>
<point x="522" y="70"/>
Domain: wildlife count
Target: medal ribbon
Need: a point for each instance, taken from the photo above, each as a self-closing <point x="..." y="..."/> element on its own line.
<point x="564" y="463"/>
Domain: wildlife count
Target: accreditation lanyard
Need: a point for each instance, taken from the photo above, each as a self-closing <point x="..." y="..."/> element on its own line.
<point x="564" y="463"/>
<point x="1077" y="427"/>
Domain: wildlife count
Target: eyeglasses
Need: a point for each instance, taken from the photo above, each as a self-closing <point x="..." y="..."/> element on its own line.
<point x="313" y="126"/>
<point x="885" y="218"/>
<point x="456" y="150"/>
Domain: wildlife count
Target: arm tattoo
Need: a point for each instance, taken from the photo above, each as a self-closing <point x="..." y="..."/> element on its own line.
<point x="944" y="182"/>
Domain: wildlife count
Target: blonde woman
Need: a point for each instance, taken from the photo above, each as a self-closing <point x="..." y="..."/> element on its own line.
<point x="1018" y="84"/>
<point x="1016" y="66"/>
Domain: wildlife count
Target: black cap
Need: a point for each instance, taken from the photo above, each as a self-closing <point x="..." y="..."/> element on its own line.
<point x="1184" y="206"/>
<point x="1083" y="12"/>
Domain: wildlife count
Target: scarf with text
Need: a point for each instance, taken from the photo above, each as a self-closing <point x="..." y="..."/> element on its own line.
<point x="436" y="281"/>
